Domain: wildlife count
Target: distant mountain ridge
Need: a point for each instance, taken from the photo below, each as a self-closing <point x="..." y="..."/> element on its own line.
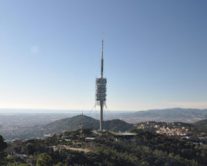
<point x="167" y="115"/>
<point x="117" y="124"/>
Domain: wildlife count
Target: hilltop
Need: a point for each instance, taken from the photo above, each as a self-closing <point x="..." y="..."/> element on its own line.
<point x="74" y="123"/>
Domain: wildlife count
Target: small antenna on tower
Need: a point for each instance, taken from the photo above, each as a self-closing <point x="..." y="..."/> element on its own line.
<point x="81" y="125"/>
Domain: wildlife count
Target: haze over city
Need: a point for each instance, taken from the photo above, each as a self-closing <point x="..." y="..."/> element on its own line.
<point x="155" y="53"/>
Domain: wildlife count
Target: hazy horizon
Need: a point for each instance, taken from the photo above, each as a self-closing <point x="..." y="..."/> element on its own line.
<point x="70" y="111"/>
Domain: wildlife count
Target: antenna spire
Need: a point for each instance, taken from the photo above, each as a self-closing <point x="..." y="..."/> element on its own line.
<point x="102" y="60"/>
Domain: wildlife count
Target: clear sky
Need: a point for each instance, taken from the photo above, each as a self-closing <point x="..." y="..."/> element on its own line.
<point x="155" y="53"/>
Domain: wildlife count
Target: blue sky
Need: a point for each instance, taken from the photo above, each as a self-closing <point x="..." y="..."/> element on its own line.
<point x="155" y="53"/>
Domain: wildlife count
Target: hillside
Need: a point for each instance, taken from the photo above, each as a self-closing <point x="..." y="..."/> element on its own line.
<point x="201" y="125"/>
<point x="67" y="124"/>
<point x="74" y="123"/>
<point x="167" y="115"/>
<point x="142" y="148"/>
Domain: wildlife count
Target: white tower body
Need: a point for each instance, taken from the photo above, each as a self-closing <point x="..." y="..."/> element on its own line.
<point x="101" y="91"/>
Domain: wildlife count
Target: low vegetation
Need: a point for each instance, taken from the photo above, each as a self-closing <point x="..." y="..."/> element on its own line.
<point x="144" y="148"/>
<point x="147" y="143"/>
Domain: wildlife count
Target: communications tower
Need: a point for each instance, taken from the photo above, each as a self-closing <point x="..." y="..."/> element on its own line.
<point x="101" y="90"/>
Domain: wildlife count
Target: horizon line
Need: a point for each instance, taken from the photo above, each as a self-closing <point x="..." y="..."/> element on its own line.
<point x="51" y="110"/>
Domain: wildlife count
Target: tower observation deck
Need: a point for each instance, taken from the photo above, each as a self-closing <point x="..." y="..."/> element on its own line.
<point x="101" y="89"/>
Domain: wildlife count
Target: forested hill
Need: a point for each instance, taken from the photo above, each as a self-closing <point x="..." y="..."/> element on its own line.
<point x="74" y="123"/>
<point x="201" y="125"/>
<point x="67" y="124"/>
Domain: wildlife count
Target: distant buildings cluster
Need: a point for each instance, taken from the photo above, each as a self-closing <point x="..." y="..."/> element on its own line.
<point x="169" y="129"/>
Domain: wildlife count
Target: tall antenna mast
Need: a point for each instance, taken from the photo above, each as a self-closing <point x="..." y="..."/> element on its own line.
<point x="102" y="60"/>
<point x="101" y="89"/>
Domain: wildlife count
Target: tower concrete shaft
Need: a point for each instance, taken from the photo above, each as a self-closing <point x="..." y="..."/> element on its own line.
<point x="101" y="116"/>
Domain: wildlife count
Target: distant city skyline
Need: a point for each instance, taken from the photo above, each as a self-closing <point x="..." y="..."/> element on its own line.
<point x="155" y="53"/>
